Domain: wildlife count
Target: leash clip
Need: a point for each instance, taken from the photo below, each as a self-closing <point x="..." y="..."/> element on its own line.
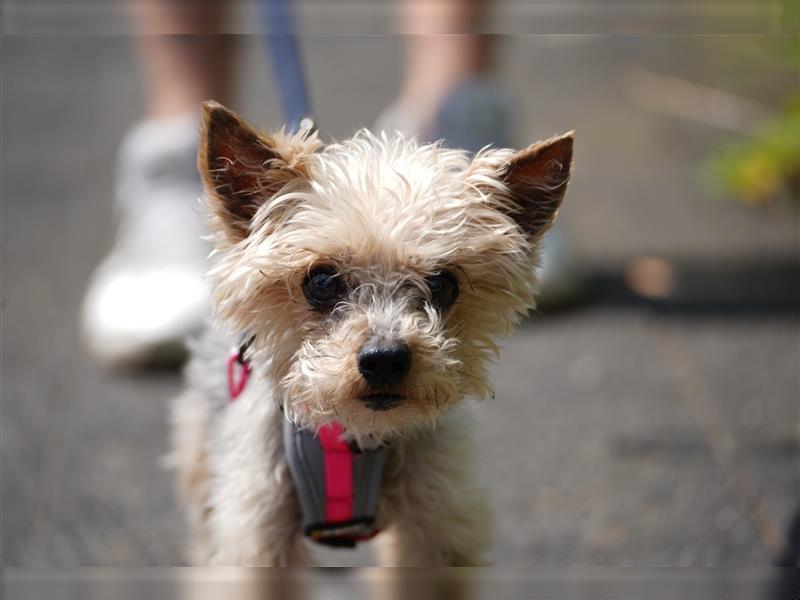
<point x="238" y="372"/>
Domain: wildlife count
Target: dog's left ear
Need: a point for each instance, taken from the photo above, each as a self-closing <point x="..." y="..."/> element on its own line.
<point x="242" y="169"/>
<point x="537" y="178"/>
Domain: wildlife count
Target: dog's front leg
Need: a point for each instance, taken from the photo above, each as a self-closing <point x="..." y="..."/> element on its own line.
<point x="453" y="531"/>
<point x="255" y="515"/>
<point x="435" y="515"/>
<point x="249" y="528"/>
<point x="439" y="537"/>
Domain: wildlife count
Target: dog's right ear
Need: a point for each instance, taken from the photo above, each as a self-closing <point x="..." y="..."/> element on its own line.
<point x="242" y="169"/>
<point x="537" y="179"/>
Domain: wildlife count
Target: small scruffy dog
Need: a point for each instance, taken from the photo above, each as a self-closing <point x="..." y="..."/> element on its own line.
<point x="371" y="279"/>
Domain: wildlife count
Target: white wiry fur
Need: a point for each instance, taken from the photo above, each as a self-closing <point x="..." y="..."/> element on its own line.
<point x="385" y="213"/>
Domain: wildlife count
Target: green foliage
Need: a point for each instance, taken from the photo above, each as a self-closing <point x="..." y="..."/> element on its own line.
<point x="765" y="167"/>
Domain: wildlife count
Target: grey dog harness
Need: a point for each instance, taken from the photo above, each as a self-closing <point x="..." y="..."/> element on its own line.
<point x="337" y="483"/>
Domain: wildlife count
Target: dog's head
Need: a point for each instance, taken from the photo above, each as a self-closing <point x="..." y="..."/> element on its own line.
<point x="374" y="275"/>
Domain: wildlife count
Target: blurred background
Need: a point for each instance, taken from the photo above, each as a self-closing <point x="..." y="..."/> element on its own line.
<point x="652" y="420"/>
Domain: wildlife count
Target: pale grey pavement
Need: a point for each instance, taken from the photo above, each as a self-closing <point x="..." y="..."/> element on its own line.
<point x="624" y="432"/>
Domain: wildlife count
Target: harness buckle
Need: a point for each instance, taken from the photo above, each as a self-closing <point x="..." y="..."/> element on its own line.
<point x="344" y="534"/>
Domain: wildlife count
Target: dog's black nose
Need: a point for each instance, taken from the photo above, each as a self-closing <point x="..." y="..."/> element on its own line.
<point x="384" y="364"/>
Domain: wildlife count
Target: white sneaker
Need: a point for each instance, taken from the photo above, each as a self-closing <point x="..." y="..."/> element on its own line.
<point x="148" y="294"/>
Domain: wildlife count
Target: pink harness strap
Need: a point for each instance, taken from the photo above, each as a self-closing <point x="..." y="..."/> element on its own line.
<point x="338" y="462"/>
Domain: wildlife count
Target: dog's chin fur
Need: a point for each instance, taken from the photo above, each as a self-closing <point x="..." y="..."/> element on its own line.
<point x="371" y="426"/>
<point x="384" y="213"/>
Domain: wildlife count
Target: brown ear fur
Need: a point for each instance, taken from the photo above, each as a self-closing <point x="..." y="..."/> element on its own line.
<point x="537" y="178"/>
<point x="241" y="168"/>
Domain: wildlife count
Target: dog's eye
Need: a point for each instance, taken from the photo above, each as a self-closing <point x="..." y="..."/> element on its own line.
<point x="323" y="287"/>
<point x="444" y="289"/>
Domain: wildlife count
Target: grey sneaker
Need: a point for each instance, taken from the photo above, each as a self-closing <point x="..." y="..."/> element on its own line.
<point x="148" y="293"/>
<point x="476" y="114"/>
<point x="562" y="282"/>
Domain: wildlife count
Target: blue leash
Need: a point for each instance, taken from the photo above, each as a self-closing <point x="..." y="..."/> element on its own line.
<point x="287" y="65"/>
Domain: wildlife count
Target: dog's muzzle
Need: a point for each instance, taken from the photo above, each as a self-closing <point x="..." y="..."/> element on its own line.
<point x="381" y="400"/>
